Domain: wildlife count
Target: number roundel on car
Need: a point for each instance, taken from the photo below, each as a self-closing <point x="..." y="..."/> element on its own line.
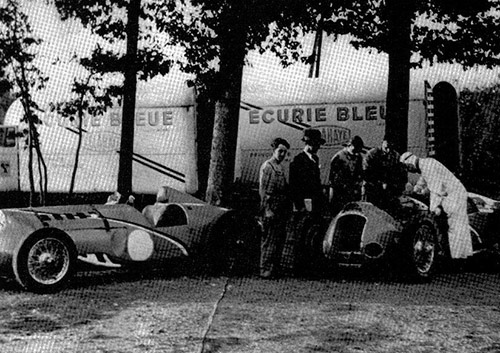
<point x="140" y="245"/>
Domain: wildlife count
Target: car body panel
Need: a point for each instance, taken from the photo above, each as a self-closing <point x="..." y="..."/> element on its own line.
<point x="484" y="220"/>
<point x="357" y="226"/>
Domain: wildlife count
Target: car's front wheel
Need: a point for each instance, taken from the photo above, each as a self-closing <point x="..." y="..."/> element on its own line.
<point x="234" y="246"/>
<point x="45" y="262"/>
<point x="423" y="251"/>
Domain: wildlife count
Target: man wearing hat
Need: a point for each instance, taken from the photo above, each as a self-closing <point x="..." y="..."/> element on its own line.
<point x="346" y="175"/>
<point x="305" y="180"/>
<point x="447" y="194"/>
<point x="385" y="177"/>
<point x="307" y="195"/>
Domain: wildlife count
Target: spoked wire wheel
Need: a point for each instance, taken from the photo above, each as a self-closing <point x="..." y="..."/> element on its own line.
<point x="48" y="261"/>
<point x="424" y="250"/>
<point x="45" y="262"/>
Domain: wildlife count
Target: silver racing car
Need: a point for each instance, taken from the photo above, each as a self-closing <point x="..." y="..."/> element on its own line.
<point x="408" y="237"/>
<point x="40" y="247"/>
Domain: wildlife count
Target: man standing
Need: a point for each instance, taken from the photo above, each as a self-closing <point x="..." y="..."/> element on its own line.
<point x="346" y="175"/>
<point x="384" y="175"/>
<point x="275" y="205"/>
<point x="446" y="194"/>
<point x="305" y="179"/>
<point x="308" y="200"/>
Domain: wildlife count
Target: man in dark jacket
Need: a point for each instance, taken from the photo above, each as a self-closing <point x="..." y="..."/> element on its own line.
<point x="305" y="180"/>
<point x="346" y="175"/>
<point x="308" y="200"/>
<point x="384" y="175"/>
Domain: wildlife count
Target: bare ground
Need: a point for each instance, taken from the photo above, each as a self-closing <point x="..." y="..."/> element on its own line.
<point x="122" y="312"/>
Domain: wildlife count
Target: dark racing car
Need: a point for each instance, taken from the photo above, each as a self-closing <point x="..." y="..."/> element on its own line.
<point x="40" y="247"/>
<point x="409" y="238"/>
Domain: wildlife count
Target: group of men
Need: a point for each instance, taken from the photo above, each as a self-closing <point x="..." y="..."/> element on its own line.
<point x="380" y="178"/>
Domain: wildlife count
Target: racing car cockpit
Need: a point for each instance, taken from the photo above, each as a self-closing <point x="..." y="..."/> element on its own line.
<point x="164" y="214"/>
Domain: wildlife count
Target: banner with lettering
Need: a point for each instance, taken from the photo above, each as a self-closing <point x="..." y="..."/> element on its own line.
<point x="164" y="150"/>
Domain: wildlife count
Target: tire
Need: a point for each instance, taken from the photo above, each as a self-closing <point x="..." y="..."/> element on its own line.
<point x="45" y="262"/>
<point x="234" y="246"/>
<point x="314" y="258"/>
<point x="422" y="251"/>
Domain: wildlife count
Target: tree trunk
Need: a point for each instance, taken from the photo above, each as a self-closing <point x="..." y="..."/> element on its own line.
<point x="398" y="90"/>
<point x="130" y="87"/>
<point x="225" y="134"/>
<point x="205" y="126"/>
<point x="30" y="167"/>
<point x="77" y="152"/>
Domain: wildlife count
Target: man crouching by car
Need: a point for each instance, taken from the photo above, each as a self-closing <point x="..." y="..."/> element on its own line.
<point x="446" y="194"/>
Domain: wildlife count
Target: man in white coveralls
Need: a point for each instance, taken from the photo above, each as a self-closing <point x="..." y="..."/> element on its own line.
<point x="446" y="193"/>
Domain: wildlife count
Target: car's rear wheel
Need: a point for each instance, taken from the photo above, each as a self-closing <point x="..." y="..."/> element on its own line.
<point x="45" y="262"/>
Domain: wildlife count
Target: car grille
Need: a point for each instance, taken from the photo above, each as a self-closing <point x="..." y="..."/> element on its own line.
<point x="348" y="232"/>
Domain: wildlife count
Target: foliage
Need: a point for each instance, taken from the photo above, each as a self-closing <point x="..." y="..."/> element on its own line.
<point x="18" y="55"/>
<point x="107" y="21"/>
<point x="479" y="111"/>
<point x="461" y="32"/>
<point x="202" y="28"/>
<point x="442" y="31"/>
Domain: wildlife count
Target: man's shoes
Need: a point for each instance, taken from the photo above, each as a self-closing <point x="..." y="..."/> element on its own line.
<point x="266" y="274"/>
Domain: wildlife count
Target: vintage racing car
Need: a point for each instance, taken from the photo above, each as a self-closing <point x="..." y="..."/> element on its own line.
<point x="409" y="237"/>
<point x="41" y="246"/>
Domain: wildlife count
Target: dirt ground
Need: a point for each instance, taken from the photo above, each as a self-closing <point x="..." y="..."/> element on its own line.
<point x="111" y="312"/>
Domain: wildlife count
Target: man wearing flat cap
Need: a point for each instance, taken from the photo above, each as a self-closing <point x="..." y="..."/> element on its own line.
<point x="346" y="175"/>
<point x="307" y="195"/>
